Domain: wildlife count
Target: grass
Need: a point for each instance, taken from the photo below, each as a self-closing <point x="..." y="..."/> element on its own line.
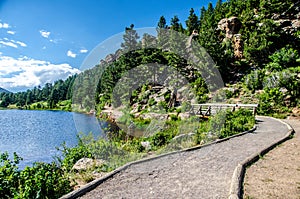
<point x="65" y="105"/>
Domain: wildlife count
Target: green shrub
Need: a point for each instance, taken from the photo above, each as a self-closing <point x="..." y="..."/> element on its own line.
<point x="70" y="155"/>
<point x="254" y="80"/>
<point x="237" y="122"/>
<point x="284" y="58"/>
<point x="42" y="180"/>
<point x="9" y="175"/>
<point x="270" y="101"/>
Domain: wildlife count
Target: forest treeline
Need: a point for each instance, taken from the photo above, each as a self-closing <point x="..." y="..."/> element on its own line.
<point x="51" y="94"/>
<point x="252" y="43"/>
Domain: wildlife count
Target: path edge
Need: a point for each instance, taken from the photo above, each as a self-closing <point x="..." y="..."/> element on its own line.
<point x="236" y="186"/>
<point x="92" y="185"/>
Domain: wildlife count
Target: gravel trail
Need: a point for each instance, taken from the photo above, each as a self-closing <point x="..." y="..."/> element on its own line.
<point x="202" y="173"/>
<point x="277" y="174"/>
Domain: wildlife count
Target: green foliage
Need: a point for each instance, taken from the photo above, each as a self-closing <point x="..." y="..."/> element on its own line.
<point x="254" y="80"/>
<point x="284" y="58"/>
<point x="270" y="101"/>
<point x="42" y="180"/>
<point x="70" y="155"/>
<point x="9" y="175"/>
<point x="186" y="106"/>
<point x="192" y="23"/>
<point x="162" y="138"/>
<point x="263" y="67"/>
<point x="235" y="122"/>
<point x="126" y="117"/>
<point x="201" y="133"/>
<point x="201" y="90"/>
<point x="51" y="93"/>
<point x="130" y="39"/>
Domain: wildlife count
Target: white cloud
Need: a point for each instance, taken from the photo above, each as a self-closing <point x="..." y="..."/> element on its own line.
<point x="12" y="43"/>
<point x="21" y="43"/>
<point x="83" y="51"/>
<point x="71" y="54"/>
<point x="44" y="33"/>
<point x="4" y="25"/>
<point x="24" y="73"/>
<point x="9" y="43"/>
<point x="11" y="32"/>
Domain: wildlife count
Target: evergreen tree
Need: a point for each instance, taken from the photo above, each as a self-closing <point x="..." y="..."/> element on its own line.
<point x="162" y="22"/>
<point x="175" y="23"/>
<point x="192" y="23"/>
<point x="130" y="39"/>
<point x="162" y="32"/>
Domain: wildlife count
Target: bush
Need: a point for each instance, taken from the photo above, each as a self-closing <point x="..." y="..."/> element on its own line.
<point x="70" y="155"/>
<point x="237" y="122"/>
<point x="9" y="175"/>
<point x="227" y="123"/>
<point x="254" y="80"/>
<point x="270" y="101"/>
<point x="284" y="58"/>
<point x="43" y="180"/>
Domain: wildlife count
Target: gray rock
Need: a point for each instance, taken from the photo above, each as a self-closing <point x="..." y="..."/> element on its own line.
<point x="146" y="145"/>
<point x="87" y="163"/>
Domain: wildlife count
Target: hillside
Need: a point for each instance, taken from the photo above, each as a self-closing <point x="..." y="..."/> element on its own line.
<point x="2" y="90"/>
<point x="254" y="45"/>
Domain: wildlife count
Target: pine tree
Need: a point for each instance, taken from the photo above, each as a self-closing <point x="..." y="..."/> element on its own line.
<point x="162" y="22"/>
<point x="162" y="32"/>
<point x="175" y="23"/>
<point x="192" y="23"/>
<point x="130" y="39"/>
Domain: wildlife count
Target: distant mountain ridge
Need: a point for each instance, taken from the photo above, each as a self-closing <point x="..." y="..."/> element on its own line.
<point x="2" y="90"/>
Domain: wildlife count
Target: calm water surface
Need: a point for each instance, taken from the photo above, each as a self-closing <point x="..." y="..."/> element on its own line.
<point x="35" y="134"/>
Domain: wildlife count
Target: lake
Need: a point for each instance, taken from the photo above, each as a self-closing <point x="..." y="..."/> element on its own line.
<point x="34" y="135"/>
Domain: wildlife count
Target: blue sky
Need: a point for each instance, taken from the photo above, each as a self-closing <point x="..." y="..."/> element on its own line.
<point x="42" y="40"/>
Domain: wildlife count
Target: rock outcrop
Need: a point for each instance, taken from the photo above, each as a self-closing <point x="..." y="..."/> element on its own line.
<point x="111" y="57"/>
<point x="289" y="21"/>
<point x="231" y="27"/>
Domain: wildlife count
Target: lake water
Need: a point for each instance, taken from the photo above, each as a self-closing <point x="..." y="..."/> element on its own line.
<point x="34" y="135"/>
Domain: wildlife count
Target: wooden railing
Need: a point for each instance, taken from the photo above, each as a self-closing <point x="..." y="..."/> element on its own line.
<point x="209" y="109"/>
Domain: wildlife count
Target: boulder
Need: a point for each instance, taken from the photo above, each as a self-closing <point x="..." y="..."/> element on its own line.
<point x="87" y="163"/>
<point x="296" y="111"/>
<point x="146" y="145"/>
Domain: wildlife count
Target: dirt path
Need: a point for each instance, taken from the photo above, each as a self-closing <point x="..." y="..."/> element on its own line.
<point x="277" y="174"/>
<point x="203" y="173"/>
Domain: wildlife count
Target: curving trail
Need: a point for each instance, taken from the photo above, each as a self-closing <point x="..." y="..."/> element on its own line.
<point x="202" y="173"/>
